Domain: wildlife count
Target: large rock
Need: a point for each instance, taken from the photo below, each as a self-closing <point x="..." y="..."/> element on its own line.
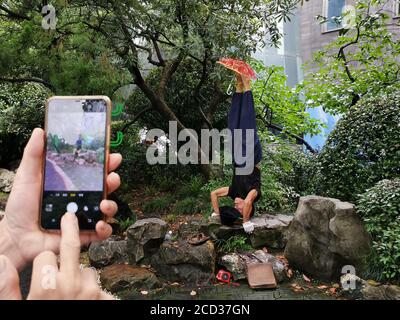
<point x="180" y="261"/>
<point x="6" y="180"/>
<point x="192" y="226"/>
<point x="382" y="292"/>
<point x="109" y="251"/>
<point x="218" y="231"/>
<point x="269" y="231"/>
<point x="144" y="239"/>
<point x="360" y="289"/>
<point x="122" y="277"/>
<point x="325" y="235"/>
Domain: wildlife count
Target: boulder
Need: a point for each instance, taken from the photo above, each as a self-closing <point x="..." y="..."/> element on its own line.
<point x="123" y="277"/>
<point x="109" y="251"/>
<point x="325" y="235"/>
<point x="192" y="226"/>
<point x="382" y="292"/>
<point x="180" y="261"/>
<point x="269" y="231"/>
<point x="6" y="180"/>
<point x="144" y="239"/>
<point x="356" y="288"/>
<point x="218" y="231"/>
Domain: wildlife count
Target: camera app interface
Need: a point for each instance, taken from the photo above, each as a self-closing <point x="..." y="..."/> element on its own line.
<point x="75" y="164"/>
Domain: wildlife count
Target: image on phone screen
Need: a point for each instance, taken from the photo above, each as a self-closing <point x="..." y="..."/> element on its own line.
<point x="74" y="170"/>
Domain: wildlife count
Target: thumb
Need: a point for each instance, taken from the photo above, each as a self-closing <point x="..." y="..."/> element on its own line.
<point x="31" y="164"/>
<point x="9" y="280"/>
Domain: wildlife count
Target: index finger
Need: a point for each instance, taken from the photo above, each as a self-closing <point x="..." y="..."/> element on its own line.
<point x="70" y="247"/>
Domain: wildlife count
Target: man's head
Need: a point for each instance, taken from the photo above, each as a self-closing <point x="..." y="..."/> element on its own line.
<point x="239" y="204"/>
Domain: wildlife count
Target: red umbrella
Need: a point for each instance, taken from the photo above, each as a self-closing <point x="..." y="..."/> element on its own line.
<point x="238" y="66"/>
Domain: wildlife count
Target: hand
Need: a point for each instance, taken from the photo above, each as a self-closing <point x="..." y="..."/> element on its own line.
<point x="50" y="282"/>
<point x="20" y="234"/>
<point x="248" y="227"/>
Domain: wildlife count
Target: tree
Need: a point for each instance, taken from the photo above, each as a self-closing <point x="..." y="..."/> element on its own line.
<point x="100" y="45"/>
<point x="280" y="109"/>
<point x="363" y="61"/>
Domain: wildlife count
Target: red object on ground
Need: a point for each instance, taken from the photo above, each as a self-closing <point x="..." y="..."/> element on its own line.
<point x="224" y="276"/>
<point x="238" y="66"/>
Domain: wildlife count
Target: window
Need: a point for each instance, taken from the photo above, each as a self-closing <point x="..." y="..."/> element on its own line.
<point x="332" y="10"/>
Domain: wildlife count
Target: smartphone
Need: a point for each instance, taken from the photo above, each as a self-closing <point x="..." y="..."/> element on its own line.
<point x="76" y="159"/>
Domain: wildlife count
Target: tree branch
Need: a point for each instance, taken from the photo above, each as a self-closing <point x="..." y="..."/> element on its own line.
<point x="12" y="14"/>
<point x="135" y="118"/>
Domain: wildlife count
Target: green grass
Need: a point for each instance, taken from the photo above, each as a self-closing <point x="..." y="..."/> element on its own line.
<point x="189" y="205"/>
<point x="158" y="205"/>
<point x="233" y="244"/>
<point x="126" y="223"/>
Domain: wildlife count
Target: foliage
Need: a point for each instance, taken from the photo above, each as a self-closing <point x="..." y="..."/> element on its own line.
<point x="189" y="205"/>
<point x="125" y="224"/>
<point x="285" y="106"/>
<point x="362" y="62"/>
<point x="233" y="244"/>
<point x="158" y="205"/>
<point x="363" y="148"/>
<point x="21" y="110"/>
<point x="100" y="46"/>
<point x="379" y="207"/>
<point x="192" y="188"/>
<point x="179" y="96"/>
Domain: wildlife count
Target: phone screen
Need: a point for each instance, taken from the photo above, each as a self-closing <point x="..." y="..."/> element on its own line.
<point x="74" y="170"/>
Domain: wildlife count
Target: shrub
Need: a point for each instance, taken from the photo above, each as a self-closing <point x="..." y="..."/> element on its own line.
<point x="191" y="188"/>
<point x="21" y="110"/>
<point x="379" y="207"/>
<point x="363" y="149"/>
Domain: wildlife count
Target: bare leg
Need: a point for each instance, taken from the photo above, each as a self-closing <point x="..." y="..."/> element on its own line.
<point x="248" y="204"/>
<point x="239" y="83"/>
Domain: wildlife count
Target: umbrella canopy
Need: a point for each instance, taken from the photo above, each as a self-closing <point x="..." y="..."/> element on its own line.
<point x="238" y="66"/>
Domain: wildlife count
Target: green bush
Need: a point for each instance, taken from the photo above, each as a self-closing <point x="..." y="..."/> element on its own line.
<point x="379" y="207"/>
<point x="21" y="110"/>
<point x="363" y="149"/>
<point x="191" y="188"/>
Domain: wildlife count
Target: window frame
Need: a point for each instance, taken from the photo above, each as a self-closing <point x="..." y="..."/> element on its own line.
<point x="324" y="26"/>
<point x="396" y="8"/>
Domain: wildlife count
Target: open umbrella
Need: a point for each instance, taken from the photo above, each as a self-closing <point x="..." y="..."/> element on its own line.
<point x="238" y="66"/>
